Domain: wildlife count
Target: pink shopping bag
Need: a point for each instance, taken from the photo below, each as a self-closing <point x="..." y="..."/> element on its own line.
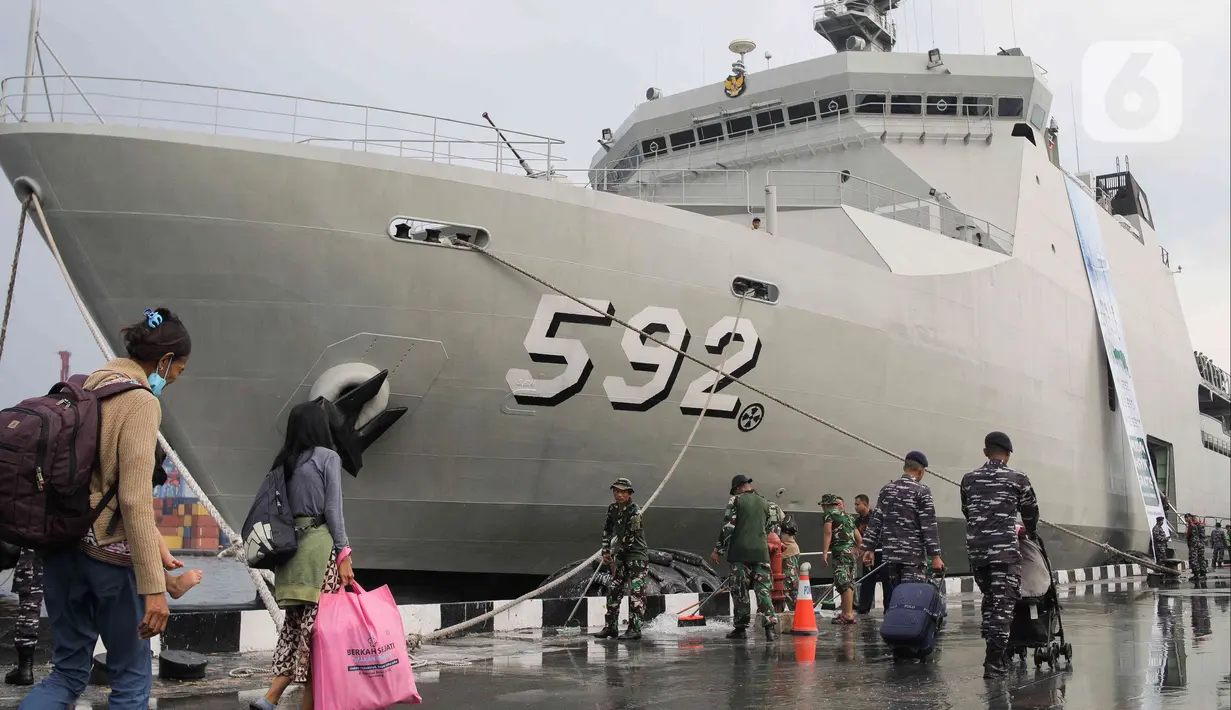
<point x="359" y="659"/>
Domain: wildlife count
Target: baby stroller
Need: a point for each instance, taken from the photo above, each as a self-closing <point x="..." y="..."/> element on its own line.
<point x="1037" y="622"/>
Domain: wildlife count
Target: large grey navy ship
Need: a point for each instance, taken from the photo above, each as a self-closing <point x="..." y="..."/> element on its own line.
<point x="917" y="279"/>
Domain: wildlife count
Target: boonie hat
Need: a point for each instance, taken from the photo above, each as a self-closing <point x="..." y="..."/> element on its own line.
<point x="829" y="499"/>
<point x="623" y="484"/>
<point x="1000" y="440"/>
<point x="917" y="457"/>
<point x="739" y="480"/>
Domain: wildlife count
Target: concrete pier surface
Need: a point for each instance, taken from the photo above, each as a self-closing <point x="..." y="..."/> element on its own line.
<point x="1134" y="646"/>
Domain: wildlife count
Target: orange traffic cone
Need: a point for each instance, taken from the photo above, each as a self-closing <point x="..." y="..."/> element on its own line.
<point x="805" y="617"/>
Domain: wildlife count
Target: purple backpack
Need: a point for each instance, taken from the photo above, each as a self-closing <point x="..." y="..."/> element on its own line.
<point x="48" y="453"/>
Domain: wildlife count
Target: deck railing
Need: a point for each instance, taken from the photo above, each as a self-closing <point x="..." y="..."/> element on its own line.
<point x="681" y="188"/>
<point x="1213" y="376"/>
<point x="236" y="112"/>
<point x="828" y="188"/>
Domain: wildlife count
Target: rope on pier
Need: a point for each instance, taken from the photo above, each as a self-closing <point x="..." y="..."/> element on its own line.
<point x="263" y="583"/>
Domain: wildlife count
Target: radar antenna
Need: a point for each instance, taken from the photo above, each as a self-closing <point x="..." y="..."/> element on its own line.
<point x="857" y="25"/>
<point x="741" y="47"/>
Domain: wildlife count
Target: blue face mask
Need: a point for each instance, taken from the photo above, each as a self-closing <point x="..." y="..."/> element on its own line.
<point x="157" y="381"/>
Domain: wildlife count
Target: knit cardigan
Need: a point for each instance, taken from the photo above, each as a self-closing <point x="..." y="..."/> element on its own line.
<point x="126" y="450"/>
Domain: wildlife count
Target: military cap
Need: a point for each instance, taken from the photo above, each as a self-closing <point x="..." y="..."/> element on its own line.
<point x="917" y="457"/>
<point x="739" y="480"/>
<point x="829" y="499"/>
<point x="999" y="440"/>
<point x="623" y="484"/>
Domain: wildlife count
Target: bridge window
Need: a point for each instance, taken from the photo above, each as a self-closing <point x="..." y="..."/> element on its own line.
<point x="739" y="126"/>
<point x="683" y="139"/>
<point x="871" y="104"/>
<point x="652" y="147"/>
<point x="1037" y="116"/>
<point x="977" y="106"/>
<point x="769" y="120"/>
<point x="906" y="105"/>
<point x="711" y="133"/>
<point x="833" y="106"/>
<point x="942" y="105"/>
<point x="801" y="113"/>
<point x="1010" y="107"/>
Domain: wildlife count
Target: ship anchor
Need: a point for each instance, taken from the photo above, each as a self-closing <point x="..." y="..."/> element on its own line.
<point x="350" y="438"/>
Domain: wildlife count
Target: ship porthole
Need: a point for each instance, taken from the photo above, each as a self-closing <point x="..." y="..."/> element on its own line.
<point x="340" y="379"/>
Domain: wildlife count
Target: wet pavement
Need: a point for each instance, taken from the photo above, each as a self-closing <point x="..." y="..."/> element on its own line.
<point x="1133" y="647"/>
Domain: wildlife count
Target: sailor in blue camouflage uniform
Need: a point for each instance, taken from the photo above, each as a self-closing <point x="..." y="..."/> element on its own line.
<point x="1159" y="537"/>
<point x="992" y="496"/>
<point x="28" y="585"/>
<point x="625" y="551"/>
<point x="904" y="527"/>
<point x="744" y="539"/>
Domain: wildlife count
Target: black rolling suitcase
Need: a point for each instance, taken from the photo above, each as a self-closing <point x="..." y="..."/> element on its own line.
<point x="913" y="620"/>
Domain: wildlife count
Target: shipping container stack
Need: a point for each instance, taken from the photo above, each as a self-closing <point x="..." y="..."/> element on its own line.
<point x="182" y="520"/>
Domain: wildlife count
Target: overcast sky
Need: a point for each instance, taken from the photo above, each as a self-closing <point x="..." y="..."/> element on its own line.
<point x="568" y="68"/>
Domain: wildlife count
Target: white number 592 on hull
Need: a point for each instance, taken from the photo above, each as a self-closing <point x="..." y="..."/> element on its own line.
<point x="663" y="364"/>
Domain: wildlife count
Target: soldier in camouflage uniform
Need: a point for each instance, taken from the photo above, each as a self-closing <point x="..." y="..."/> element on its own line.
<point x="838" y="551"/>
<point x="1159" y="537"/>
<point x="1196" y="547"/>
<point x="744" y="541"/>
<point x="28" y="584"/>
<point x="790" y="560"/>
<point x="904" y="526"/>
<point x="992" y="496"/>
<point x="1218" y="543"/>
<point x="625" y="551"/>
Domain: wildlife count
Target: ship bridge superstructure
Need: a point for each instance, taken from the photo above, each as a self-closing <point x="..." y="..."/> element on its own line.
<point x="891" y="133"/>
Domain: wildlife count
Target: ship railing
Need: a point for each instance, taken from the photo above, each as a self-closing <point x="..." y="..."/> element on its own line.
<point x="676" y="187"/>
<point x="1213" y="376"/>
<point x="829" y="188"/>
<point x="219" y="110"/>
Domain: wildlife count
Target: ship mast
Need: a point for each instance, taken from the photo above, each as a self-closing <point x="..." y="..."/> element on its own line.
<point x="857" y="25"/>
<point x="31" y="48"/>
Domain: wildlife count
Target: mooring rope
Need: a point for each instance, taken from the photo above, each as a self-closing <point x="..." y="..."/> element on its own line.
<point x="8" y="301"/>
<point x="777" y="400"/>
<point x="416" y="640"/>
<point x="259" y="581"/>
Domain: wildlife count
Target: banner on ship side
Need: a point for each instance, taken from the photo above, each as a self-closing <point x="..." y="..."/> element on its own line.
<point x="1090" y="238"/>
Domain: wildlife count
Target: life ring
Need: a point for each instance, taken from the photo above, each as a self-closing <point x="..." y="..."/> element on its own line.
<point x="340" y="379"/>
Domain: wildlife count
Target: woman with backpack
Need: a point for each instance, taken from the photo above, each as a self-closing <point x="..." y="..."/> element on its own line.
<point x="321" y="563"/>
<point x="111" y="585"/>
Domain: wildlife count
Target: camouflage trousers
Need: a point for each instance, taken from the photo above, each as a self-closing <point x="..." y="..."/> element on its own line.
<point x="754" y="577"/>
<point x="630" y="574"/>
<point x="1001" y="588"/>
<point x="843" y="562"/>
<point x="1196" y="558"/>
<point x="790" y="570"/>
<point x="28" y="584"/>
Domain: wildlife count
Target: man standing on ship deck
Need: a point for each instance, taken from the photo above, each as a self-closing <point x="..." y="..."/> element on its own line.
<point x="744" y="539"/>
<point x="992" y="496"/>
<point x="625" y="551"/>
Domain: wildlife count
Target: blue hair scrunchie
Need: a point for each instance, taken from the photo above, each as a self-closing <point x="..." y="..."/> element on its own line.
<point x="153" y="318"/>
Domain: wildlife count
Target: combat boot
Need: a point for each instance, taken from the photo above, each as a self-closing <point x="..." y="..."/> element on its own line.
<point x="739" y="633"/>
<point x="771" y="632"/>
<point x="630" y="635"/>
<point x="994" y="664"/>
<point x="607" y="633"/>
<point x="23" y="674"/>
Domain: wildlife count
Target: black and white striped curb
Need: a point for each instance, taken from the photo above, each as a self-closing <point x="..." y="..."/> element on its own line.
<point x="231" y="631"/>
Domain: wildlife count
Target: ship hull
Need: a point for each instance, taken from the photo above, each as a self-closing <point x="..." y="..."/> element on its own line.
<point x="278" y="259"/>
